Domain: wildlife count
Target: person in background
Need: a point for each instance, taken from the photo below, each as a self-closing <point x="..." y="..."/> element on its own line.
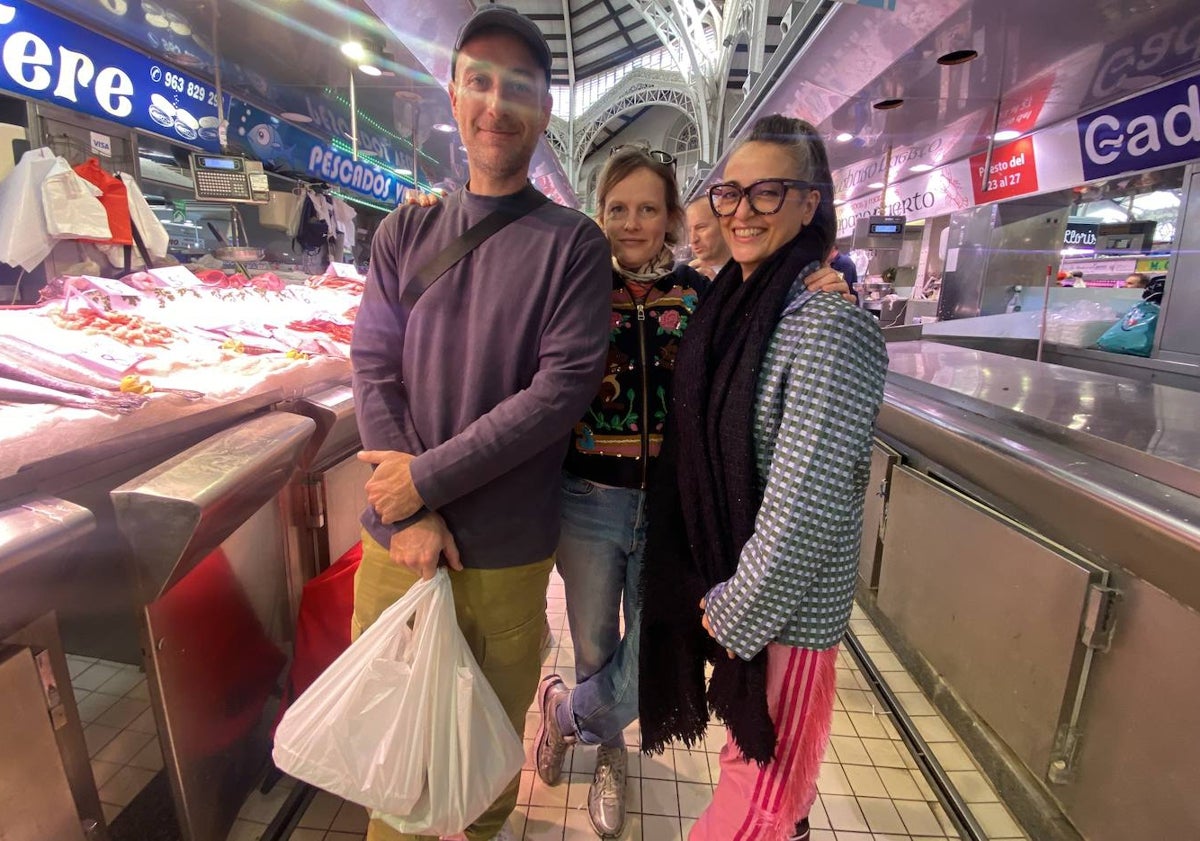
<point x="756" y="517"/>
<point x="1156" y="287"/>
<point x="1076" y="280"/>
<point x="842" y="264"/>
<point x="710" y="253"/>
<point x="466" y="399"/>
<point x="610" y="463"/>
<point x="1137" y="280"/>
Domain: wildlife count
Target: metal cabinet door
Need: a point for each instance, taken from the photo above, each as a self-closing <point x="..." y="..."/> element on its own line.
<point x="35" y="797"/>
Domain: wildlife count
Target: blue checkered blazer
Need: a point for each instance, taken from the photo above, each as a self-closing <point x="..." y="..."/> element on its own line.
<point x="819" y="390"/>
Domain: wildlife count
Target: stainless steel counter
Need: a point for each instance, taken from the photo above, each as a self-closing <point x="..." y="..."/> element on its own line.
<point x="1146" y="428"/>
<point x="1036" y="563"/>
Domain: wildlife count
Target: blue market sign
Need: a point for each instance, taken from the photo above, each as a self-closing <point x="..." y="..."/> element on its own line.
<point x="1155" y="129"/>
<point x="45" y="57"/>
<point x="280" y="146"/>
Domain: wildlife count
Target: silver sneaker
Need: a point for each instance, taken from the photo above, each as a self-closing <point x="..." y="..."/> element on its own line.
<point x="550" y="744"/>
<point x="606" y="798"/>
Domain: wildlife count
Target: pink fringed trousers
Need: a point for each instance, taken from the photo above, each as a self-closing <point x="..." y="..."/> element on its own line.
<point x="763" y="804"/>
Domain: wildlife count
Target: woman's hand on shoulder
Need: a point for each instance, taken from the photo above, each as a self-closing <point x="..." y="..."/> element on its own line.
<point x="825" y="279"/>
<point x="422" y="199"/>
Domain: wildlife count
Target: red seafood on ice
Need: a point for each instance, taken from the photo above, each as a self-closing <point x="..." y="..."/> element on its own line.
<point x="332" y="329"/>
<point x="124" y="327"/>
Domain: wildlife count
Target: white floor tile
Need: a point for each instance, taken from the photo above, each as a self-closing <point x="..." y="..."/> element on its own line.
<point x="659" y="767"/>
<point x="97" y="736"/>
<point x="150" y="757"/>
<point x="881" y="815"/>
<point x="952" y="757"/>
<point x="94" y="704"/>
<point x="832" y="780"/>
<point x="94" y="676"/>
<point x="996" y="821"/>
<point x="844" y="813"/>
<point x="933" y="729"/>
<point x="544" y="823"/>
<point x="660" y="797"/>
<point x="973" y="786"/>
<point x="126" y="678"/>
<point x="842" y="725"/>
<point x="122" y="713"/>
<point x="692" y="766"/>
<point x="578" y="788"/>
<point x="850" y="750"/>
<point x="544" y="795"/>
<point x="102" y="772"/>
<point x="694" y="798"/>
<point x="865" y="781"/>
<point x="661" y="828"/>
<point x="918" y="818"/>
<point x="124" y="747"/>
<point x="125" y="785"/>
<point x="869" y="725"/>
<point x="900" y="784"/>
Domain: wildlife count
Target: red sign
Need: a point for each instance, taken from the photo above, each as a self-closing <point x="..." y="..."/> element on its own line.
<point x="1013" y="172"/>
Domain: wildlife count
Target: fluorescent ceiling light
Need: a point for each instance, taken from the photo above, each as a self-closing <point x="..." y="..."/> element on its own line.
<point x="1006" y="134"/>
<point x="294" y="117"/>
<point x="445" y="128"/>
<point x="354" y="50"/>
<point x="921" y="167"/>
<point x="404" y="171"/>
<point x="875" y="185"/>
<point x="844" y="137"/>
<point x="838" y="202"/>
<point x="369" y="70"/>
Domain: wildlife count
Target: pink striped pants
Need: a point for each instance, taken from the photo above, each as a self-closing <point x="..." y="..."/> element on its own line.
<point x="763" y="804"/>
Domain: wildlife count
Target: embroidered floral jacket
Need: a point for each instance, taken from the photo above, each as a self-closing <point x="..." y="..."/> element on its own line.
<point x="619" y="437"/>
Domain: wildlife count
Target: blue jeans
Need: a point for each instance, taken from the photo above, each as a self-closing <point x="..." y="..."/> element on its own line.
<point x="600" y="560"/>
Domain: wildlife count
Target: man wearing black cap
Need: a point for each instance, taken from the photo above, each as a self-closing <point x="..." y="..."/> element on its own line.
<point x="465" y="397"/>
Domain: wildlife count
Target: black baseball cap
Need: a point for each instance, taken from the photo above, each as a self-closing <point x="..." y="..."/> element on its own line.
<point x="495" y="16"/>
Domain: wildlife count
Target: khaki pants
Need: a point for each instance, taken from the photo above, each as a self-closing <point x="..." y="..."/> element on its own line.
<point x="502" y="613"/>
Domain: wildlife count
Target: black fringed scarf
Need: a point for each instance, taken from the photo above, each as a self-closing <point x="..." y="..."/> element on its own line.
<point x="702" y="510"/>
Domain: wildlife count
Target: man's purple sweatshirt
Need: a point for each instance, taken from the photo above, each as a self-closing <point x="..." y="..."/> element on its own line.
<point x="484" y="379"/>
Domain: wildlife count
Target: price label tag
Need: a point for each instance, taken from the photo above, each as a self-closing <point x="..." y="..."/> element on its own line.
<point x="346" y="271"/>
<point x="175" y="277"/>
<point x="113" y="288"/>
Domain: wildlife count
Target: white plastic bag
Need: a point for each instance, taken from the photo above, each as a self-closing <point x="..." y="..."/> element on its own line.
<point x="72" y="206"/>
<point x="404" y="722"/>
<point x="1079" y="324"/>
<point x="24" y="240"/>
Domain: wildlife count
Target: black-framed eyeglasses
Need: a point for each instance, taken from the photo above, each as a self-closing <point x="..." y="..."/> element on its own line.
<point x="765" y="196"/>
<point x="654" y="154"/>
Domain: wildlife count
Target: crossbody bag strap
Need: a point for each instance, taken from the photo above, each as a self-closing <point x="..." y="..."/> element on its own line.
<point x="525" y="203"/>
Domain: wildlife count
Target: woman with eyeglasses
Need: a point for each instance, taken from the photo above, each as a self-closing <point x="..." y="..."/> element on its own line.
<point x="610" y="463"/>
<point x="756" y="519"/>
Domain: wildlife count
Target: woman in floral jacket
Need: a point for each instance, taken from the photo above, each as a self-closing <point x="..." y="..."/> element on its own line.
<point x="608" y="468"/>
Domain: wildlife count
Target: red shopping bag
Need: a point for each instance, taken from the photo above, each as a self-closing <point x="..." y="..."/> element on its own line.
<point x="323" y="626"/>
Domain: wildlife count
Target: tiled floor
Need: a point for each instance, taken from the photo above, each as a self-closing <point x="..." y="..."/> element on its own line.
<point x="119" y="728"/>
<point x="869" y="788"/>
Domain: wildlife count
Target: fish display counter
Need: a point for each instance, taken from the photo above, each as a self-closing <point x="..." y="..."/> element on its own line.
<point x="100" y="361"/>
<point x="112" y="387"/>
